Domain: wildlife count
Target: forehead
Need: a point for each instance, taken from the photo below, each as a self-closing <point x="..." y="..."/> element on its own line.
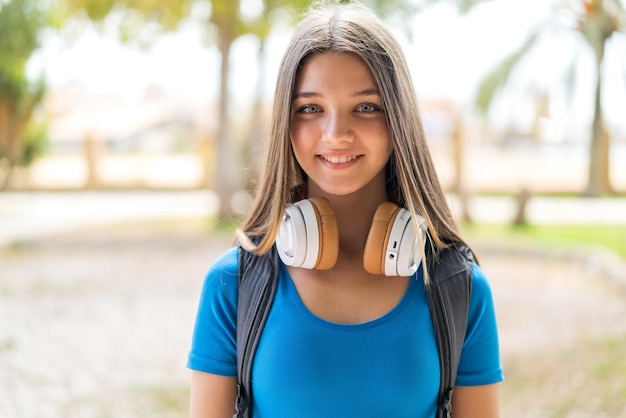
<point x="334" y="70"/>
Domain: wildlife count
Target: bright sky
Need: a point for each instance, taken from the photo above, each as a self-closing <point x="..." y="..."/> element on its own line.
<point x="448" y="56"/>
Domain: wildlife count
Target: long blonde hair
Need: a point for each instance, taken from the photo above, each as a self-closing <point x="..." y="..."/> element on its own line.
<point x="412" y="181"/>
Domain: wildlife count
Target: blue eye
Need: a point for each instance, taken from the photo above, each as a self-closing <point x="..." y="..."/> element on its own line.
<point x="309" y="109"/>
<point x="367" y="108"/>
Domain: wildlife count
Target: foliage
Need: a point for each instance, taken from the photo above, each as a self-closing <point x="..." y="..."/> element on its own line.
<point x="35" y="142"/>
<point x="499" y="76"/>
<point x="20" y="23"/>
<point x="135" y="21"/>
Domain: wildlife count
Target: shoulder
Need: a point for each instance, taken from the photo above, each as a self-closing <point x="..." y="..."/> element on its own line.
<point x="214" y="340"/>
<point x="222" y="277"/>
<point x="482" y="303"/>
<point x="227" y="262"/>
<point x="480" y="283"/>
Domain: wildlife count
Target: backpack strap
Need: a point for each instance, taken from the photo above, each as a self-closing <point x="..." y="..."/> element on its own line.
<point x="449" y="295"/>
<point x="257" y="287"/>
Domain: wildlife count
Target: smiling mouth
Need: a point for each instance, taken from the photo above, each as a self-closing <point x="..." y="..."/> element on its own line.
<point x="339" y="160"/>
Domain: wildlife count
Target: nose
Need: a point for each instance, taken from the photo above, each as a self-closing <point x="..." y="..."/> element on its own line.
<point x="337" y="129"/>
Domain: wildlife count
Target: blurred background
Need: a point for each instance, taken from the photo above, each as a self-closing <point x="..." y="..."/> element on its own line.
<point x="132" y="133"/>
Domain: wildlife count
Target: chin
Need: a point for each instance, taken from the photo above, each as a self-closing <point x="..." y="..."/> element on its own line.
<point x="331" y="192"/>
<point x="340" y="190"/>
<point x="347" y="187"/>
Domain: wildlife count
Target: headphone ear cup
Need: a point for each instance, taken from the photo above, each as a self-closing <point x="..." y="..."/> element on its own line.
<point x="392" y="246"/>
<point x="409" y="254"/>
<point x="308" y="235"/>
<point x="291" y="241"/>
<point x="376" y="244"/>
<point x="328" y="234"/>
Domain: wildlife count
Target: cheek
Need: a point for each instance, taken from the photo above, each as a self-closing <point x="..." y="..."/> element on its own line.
<point x="298" y="141"/>
<point x="302" y="131"/>
<point x="381" y="132"/>
<point x="303" y="136"/>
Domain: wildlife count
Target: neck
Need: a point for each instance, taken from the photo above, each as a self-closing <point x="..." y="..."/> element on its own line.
<point x="354" y="213"/>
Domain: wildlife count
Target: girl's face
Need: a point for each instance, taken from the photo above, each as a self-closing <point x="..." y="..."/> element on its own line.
<point x="338" y="125"/>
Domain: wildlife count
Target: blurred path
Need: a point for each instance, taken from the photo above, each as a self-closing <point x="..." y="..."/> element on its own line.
<point x="550" y="210"/>
<point x="30" y="215"/>
<point x="26" y="216"/>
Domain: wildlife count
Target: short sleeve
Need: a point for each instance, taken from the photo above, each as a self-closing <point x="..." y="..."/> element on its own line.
<point x="214" y="343"/>
<point x="480" y="358"/>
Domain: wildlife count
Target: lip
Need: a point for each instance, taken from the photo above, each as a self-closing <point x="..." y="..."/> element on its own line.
<point x="339" y="161"/>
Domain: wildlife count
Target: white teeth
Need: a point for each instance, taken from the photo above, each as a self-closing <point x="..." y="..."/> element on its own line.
<point x="338" y="160"/>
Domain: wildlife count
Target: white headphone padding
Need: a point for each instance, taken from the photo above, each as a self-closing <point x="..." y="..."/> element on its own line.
<point x="289" y="241"/>
<point x="298" y="239"/>
<point x="409" y="258"/>
<point x="397" y="241"/>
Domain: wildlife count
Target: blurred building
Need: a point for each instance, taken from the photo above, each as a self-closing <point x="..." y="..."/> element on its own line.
<point x="154" y="122"/>
<point x="105" y="140"/>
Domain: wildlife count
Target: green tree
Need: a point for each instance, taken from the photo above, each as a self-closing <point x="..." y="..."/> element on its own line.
<point x="132" y="14"/>
<point x="20" y="24"/>
<point x="595" y="23"/>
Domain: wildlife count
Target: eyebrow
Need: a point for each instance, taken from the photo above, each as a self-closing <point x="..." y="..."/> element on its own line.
<point x="307" y="94"/>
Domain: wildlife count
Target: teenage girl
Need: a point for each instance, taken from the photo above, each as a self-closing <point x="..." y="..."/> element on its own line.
<point x="342" y="339"/>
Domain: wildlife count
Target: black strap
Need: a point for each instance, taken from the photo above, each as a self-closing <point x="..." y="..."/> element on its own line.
<point x="257" y="287"/>
<point x="448" y="298"/>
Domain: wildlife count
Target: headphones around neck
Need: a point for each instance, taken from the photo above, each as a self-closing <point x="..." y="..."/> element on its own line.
<point x="309" y="238"/>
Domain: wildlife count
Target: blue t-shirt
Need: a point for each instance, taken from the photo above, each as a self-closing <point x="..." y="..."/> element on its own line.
<point x="308" y="367"/>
